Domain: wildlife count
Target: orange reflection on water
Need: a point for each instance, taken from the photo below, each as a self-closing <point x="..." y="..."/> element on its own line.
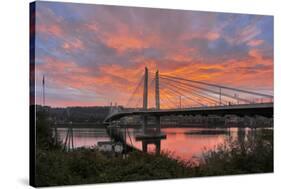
<point x="182" y="145"/>
<point x="179" y="142"/>
<point x="188" y="146"/>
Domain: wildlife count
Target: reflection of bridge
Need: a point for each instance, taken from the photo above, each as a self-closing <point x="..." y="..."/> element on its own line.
<point x="179" y="96"/>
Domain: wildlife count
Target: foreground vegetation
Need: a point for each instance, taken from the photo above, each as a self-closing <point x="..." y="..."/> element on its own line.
<point x="82" y="166"/>
<point x="252" y="155"/>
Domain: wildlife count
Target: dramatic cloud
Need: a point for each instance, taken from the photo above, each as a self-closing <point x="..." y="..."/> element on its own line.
<point x="95" y="54"/>
<point x="254" y="43"/>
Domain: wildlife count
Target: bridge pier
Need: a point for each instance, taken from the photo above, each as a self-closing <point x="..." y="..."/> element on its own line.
<point x="144" y="146"/>
<point x="156" y="143"/>
<point x="158" y="126"/>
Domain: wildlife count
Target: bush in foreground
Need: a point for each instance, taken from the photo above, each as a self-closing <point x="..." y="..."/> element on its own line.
<point x="252" y="155"/>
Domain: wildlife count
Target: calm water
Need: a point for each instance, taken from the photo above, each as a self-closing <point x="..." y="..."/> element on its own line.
<point x="85" y="137"/>
<point x="182" y="144"/>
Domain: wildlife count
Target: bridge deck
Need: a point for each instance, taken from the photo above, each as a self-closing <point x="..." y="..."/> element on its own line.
<point x="263" y="109"/>
<point x="155" y="136"/>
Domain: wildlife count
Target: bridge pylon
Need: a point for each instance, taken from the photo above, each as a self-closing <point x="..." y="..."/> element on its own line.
<point x="145" y="89"/>
<point x="145" y="96"/>
<point x="157" y="100"/>
<point x="157" y="92"/>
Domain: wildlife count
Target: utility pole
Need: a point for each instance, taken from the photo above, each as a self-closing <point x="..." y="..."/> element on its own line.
<point x="43" y="82"/>
<point x="237" y="96"/>
<point x="110" y="109"/>
<point x="180" y="102"/>
<point x="220" y="96"/>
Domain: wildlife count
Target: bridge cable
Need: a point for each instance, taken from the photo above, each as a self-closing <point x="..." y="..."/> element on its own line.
<point x="173" y="96"/>
<point x="210" y="90"/>
<point x="198" y="91"/>
<point x="184" y="95"/>
<point x="197" y="94"/>
<point x="166" y="94"/>
<point x="167" y="99"/>
<point x="166" y="104"/>
<point x="135" y="91"/>
<point x="179" y="93"/>
<point x="220" y="86"/>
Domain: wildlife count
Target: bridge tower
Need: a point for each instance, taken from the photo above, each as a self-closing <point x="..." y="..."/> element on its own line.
<point x="145" y="89"/>
<point x="43" y="83"/>
<point x="157" y="100"/>
<point x="145" y="96"/>
<point x="157" y="92"/>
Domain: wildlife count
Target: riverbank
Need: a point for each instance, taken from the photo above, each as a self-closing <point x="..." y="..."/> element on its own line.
<point x="85" y="166"/>
<point x="254" y="154"/>
<point x="163" y="125"/>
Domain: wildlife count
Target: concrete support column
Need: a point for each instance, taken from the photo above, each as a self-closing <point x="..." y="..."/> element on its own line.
<point x="144" y="146"/>
<point x="158" y="126"/>
<point x="157" y="146"/>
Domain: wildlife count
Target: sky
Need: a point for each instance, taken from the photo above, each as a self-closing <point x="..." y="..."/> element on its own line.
<point x="92" y="55"/>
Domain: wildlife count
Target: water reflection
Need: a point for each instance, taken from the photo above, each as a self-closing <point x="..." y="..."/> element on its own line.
<point x="183" y="143"/>
<point x="84" y="137"/>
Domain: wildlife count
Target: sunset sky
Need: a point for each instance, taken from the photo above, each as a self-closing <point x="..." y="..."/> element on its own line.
<point x="94" y="54"/>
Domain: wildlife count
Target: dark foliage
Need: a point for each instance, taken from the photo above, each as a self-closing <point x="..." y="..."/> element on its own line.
<point x="254" y="154"/>
<point x="84" y="166"/>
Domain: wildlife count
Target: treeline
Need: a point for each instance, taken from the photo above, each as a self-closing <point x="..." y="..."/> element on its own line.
<point x="94" y="114"/>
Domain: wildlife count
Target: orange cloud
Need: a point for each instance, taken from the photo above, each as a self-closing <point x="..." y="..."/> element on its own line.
<point x="92" y="27"/>
<point x="51" y="29"/>
<point x="255" y="54"/>
<point x="122" y="43"/>
<point x="252" y="72"/>
<point x="212" y="36"/>
<point x="73" y="44"/>
<point x="254" y="43"/>
<point x="53" y="65"/>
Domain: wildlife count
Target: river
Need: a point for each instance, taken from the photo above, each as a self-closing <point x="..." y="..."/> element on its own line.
<point x="182" y="143"/>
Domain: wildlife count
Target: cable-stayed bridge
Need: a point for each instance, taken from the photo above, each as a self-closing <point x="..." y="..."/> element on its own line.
<point x="171" y="95"/>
